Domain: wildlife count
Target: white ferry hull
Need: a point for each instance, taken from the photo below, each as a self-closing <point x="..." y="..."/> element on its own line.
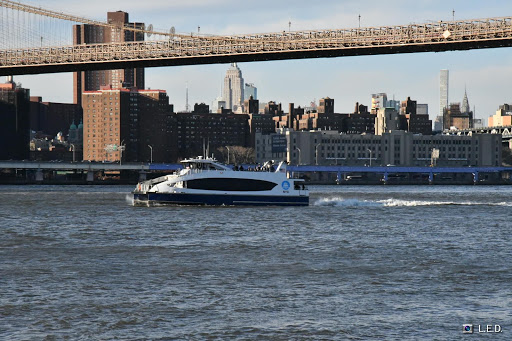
<point x="219" y="199"/>
<point x="206" y="182"/>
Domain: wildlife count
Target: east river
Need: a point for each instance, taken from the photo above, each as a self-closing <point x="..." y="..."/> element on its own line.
<point x="361" y="262"/>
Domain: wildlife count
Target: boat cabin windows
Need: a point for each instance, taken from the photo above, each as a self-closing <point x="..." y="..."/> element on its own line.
<point x="201" y="166"/>
<point x="299" y="185"/>
<point x="230" y="184"/>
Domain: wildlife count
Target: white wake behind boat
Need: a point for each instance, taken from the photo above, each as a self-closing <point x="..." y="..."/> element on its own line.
<point x="204" y="181"/>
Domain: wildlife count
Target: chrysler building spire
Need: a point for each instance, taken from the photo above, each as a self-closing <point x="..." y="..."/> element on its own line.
<point x="465" y="103"/>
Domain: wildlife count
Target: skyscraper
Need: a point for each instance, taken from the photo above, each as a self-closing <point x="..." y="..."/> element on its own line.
<point x="14" y="121"/>
<point x="92" y="34"/>
<point x="217" y="104"/>
<point x="379" y="101"/>
<point x="443" y="87"/>
<point x="250" y="90"/>
<point x="233" y="91"/>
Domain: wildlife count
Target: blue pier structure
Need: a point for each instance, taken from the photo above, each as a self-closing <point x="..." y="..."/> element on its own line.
<point x="387" y="173"/>
<point x="36" y="171"/>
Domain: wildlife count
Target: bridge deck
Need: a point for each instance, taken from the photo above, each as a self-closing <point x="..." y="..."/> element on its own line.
<point x="186" y="50"/>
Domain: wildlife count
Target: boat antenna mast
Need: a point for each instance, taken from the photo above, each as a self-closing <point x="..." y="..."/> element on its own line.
<point x="204" y="149"/>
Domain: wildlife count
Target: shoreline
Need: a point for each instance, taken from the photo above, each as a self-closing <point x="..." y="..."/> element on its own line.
<point x="501" y="182"/>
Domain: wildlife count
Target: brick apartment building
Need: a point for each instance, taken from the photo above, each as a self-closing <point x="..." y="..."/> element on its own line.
<point x="128" y="118"/>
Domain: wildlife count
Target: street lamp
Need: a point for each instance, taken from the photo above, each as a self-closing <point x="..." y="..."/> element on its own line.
<point x="73" y="146"/>
<point x="228" y="153"/>
<point x="316" y="152"/>
<point x="121" y="148"/>
<point x="370" y="156"/>
<point x="151" y="158"/>
<point x="299" y="153"/>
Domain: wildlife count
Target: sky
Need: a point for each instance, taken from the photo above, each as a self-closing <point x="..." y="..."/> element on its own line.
<point x="486" y="74"/>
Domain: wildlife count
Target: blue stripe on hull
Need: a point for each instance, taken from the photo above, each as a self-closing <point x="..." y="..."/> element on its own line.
<point x="228" y="199"/>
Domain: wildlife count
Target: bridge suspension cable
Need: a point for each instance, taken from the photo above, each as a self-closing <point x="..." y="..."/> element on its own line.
<point x="22" y="29"/>
<point x="18" y="6"/>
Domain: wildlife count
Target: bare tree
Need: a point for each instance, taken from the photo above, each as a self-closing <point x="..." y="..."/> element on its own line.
<point x="221" y="154"/>
<point x="237" y="155"/>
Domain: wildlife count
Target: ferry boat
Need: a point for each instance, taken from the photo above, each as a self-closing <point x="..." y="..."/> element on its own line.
<point x="204" y="181"/>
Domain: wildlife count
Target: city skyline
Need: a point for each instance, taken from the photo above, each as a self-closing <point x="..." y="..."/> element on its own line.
<point x="485" y="73"/>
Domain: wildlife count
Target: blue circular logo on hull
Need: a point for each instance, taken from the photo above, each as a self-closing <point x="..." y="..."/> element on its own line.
<point x="285" y="185"/>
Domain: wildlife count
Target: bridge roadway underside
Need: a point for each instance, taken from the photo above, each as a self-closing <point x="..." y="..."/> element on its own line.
<point x="258" y="56"/>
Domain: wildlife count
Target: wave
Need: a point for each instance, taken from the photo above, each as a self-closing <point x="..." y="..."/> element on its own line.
<point x="337" y="201"/>
<point x="345" y="202"/>
<point x="129" y="199"/>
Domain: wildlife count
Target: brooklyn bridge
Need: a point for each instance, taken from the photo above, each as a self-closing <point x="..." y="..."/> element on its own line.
<point x="29" y="45"/>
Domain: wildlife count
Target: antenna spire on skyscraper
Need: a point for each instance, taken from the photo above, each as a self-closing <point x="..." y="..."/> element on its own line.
<point x="465" y="102"/>
<point x="186" y="98"/>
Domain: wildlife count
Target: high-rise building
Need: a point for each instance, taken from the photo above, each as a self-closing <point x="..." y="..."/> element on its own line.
<point x="260" y="123"/>
<point x="201" y="108"/>
<point x="422" y="109"/>
<point x="503" y="116"/>
<point x="359" y="122"/>
<point x="14" y="121"/>
<point x="273" y="109"/>
<point x="204" y="132"/>
<point x="408" y="107"/>
<point x="454" y="118"/>
<point x="438" y="123"/>
<point x="387" y="119"/>
<point x="250" y="90"/>
<point x="393" y="104"/>
<point x="379" y="101"/>
<point x="416" y="120"/>
<point x="233" y="91"/>
<point x="51" y="118"/>
<point x="218" y="104"/>
<point x="478" y="123"/>
<point x="93" y="34"/>
<point x="326" y="106"/>
<point x="443" y="88"/>
<point x="251" y="106"/>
